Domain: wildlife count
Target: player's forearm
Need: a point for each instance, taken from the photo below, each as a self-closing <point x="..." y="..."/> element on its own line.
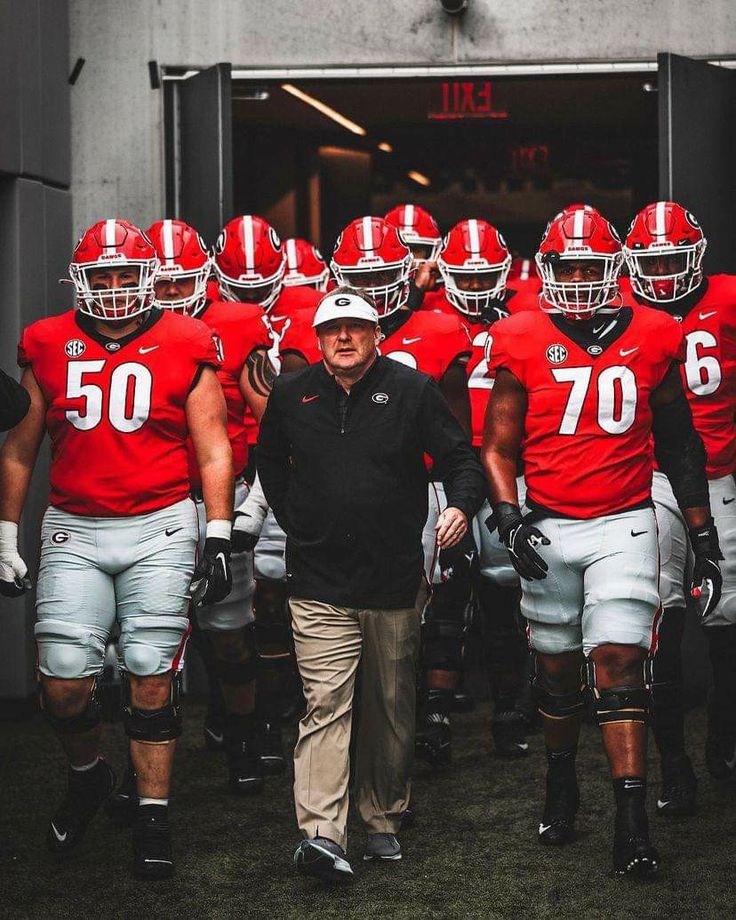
<point x="501" y="474"/>
<point x="15" y="478"/>
<point x="216" y="472"/>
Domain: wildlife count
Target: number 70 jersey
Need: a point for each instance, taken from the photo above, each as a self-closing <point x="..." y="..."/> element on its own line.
<point x="116" y="409"/>
<point x="587" y="437"/>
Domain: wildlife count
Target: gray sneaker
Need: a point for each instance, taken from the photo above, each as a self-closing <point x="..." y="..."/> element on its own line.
<point x="382" y="846"/>
<point x="322" y="858"/>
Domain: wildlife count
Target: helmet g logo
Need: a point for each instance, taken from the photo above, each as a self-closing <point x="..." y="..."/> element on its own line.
<point x="556" y="354"/>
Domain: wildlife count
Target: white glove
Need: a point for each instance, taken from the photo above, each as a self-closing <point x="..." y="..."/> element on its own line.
<point x="14" y="579"/>
<point x="249" y="518"/>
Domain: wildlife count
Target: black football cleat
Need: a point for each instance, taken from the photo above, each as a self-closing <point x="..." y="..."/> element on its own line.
<point x="408" y="818"/>
<point x="271" y="750"/>
<point x="324" y="859"/>
<point x="214" y="731"/>
<point x="86" y="792"/>
<point x="152" y="859"/>
<point x="679" y="787"/>
<point x="557" y="826"/>
<point x="720" y="744"/>
<point x="122" y="806"/>
<point x="433" y="740"/>
<point x="633" y="853"/>
<point x="244" y="767"/>
<point x="508" y="729"/>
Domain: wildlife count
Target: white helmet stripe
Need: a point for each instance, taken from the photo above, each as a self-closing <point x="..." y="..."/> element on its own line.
<point x="110" y="232"/>
<point x="368" y="236"/>
<point x="660" y="228"/>
<point x="577" y="224"/>
<point x="291" y="260"/>
<point x="408" y="216"/>
<point x="248" y="244"/>
<point x="474" y="236"/>
<point x="168" y="240"/>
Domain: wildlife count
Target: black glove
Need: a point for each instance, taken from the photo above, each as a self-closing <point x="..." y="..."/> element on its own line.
<point x="212" y="580"/>
<point x="519" y="538"/>
<point x="15" y="588"/>
<point x="243" y="540"/>
<point x="707" y="581"/>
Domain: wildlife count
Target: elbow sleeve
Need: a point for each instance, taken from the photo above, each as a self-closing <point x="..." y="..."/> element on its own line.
<point x="680" y="453"/>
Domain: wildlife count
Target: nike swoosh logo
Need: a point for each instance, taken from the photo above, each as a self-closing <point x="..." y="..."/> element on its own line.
<point x="308" y="399"/>
<point x="411" y="341"/>
<point x="707" y="315"/>
<point x="144" y="351"/>
<point x="637" y="533"/>
<point x="628" y="351"/>
<point x="215" y="737"/>
<point x="729" y="763"/>
<point x="727" y="501"/>
<point x="60" y="837"/>
<point x="172" y="530"/>
<point x="543" y="828"/>
<point x="662" y="804"/>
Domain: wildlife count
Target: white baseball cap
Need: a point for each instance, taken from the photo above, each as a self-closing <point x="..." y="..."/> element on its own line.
<point x="344" y="305"/>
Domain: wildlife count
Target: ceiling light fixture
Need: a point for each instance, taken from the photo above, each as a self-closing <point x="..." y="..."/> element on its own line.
<point x="323" y="108"/>
<point x="387" y="148"/>
<point x="419" y="178"/>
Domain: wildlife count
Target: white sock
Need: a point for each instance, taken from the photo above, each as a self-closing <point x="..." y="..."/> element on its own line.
<point x="144" y="801"/>
<point x="86" y="766"/>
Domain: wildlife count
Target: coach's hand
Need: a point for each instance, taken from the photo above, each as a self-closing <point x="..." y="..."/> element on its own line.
<point x="707" y="581"/>
<point x="520" y="539"/>
<point x="451" y="527"/>
<point x="212" y="580"/>
<point x="243" y="540"/>
<point x="14" y="579"/>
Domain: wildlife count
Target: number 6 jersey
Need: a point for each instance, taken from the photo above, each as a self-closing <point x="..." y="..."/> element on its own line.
<point x="587" y="439"/>
<point x="115" y="409"/>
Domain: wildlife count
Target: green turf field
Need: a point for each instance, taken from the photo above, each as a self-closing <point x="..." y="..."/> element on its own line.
<point x="472" y="852"/>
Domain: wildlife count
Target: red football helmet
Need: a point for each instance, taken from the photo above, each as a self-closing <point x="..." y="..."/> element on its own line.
<point x="474" y="263"/>
<point x="580" y="234"/>
<point x="370" y="255"/>
<point x="664" y="251"/>
<point x="418" y="230"/>
<point x="305" y="266"/>
<point x="113" y="244"/>
<point x="182" y="254"/>
<point x="250" y="261"/>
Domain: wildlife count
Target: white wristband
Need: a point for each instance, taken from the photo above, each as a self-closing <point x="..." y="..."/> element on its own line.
<point x="8" y="536"/>
<point x="220" y="529"/>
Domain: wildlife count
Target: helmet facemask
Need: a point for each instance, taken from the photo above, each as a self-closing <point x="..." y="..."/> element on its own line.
<point x="386" y="284"/>
<point x="114" y="304"/>
<point x="194" y="303"/>
<point x="252" y="287"/>
<point x="490" y="285"/>
<point x="580" y="299"/>
<point x="684" y="274"/>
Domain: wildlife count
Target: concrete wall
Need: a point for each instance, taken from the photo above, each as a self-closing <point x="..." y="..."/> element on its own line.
<point x="117" y="129"/>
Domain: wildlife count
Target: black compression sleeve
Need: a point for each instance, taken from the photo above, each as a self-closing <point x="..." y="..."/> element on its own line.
<point x="680" y="452"/>
<point x="14" y="402"/>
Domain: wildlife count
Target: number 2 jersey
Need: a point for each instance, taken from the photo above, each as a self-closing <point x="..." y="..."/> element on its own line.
<point x="116" y="409"/>
<point x="587" y="448"/>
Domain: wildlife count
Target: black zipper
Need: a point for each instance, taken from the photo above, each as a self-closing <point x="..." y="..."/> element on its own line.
<point x="343" y="409"/>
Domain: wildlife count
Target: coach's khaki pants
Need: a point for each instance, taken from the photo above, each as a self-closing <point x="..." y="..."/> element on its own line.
<point x="329" y="642"/>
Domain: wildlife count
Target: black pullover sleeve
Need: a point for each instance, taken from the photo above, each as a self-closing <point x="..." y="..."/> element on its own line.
<point x="273" y="457"/>
<point x="14" y="402"/>
<point x="455" y="462"/>
<point x="680" y="452"/>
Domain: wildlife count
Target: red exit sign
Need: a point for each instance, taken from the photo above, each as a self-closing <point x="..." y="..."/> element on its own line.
<point x="458" y="99"/>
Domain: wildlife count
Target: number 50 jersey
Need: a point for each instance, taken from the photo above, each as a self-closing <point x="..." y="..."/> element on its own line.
<point x="587" y="440"/>
<point x="116" y="415"/>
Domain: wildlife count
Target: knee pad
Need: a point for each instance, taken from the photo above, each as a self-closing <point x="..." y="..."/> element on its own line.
<point x="237" y="673"/>
<point x="666" y="663"/>
<point x="151" y="645"/>
<point x="443" y="638"/>
<point x="619" y="704"/>
<point x="68" y="651"/>
<point x="273" y="644"/>
<point x="550" y="702"/>
<point x="89" y="718"/>
<point x="155" y="726"/>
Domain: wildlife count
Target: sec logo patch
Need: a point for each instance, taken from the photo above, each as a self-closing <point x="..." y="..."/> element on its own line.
<point x="74" y="348"/>
<point x="556" y="354"/>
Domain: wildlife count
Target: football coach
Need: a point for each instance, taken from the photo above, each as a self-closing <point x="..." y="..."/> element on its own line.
<point x="341" y="458"/>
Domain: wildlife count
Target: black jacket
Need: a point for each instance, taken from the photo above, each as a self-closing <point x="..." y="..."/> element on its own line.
<point x="14" y="402"/>
<point x="346" y="479"/>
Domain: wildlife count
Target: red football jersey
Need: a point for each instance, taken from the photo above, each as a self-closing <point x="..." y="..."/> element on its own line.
<point x="239" y="329"/>
<point x="116" y="410"/>
<point x="428" y="341"/>
<point x="709" y="371"/>
<point x="587" y="444"/>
